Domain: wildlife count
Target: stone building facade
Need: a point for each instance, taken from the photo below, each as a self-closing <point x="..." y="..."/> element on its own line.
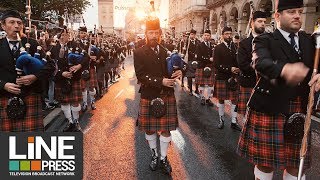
<point x="105" y="14"/>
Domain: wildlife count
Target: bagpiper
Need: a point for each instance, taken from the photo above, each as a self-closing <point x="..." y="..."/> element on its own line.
<point x="226" y="87"/>
<point x="204" y="72"/>
<point x="158" y="110"/>
<point x="20" y="96"/>
<point x="247" y="77"/>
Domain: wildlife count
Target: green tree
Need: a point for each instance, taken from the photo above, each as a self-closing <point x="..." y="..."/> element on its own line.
<point x="55" y="9"/>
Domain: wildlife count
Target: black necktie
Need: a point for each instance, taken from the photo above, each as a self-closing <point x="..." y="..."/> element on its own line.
<point x="293" y="42"/>
<point x="14" y="48"/>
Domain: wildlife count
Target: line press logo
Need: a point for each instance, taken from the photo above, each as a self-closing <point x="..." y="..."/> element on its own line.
<point x="44" y="154"/>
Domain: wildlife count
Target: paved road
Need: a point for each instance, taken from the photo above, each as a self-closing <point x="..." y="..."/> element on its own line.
<point x="115" y="149"/>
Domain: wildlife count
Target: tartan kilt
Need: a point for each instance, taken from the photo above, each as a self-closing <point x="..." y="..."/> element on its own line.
<point x="75" y="97"/>
<point x="244" y="96"/>
<point x="93" y="81"/>
<point x="33" y="120"/>
<point x="222" y="93"/>
<point x="169" y="122"/>
<point x="201" y="80"/>
<point x="262" y="140"/>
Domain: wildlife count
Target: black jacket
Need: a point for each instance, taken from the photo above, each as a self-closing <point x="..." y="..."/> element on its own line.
<point x="223" y="60"/>
<point x="8" y="72"/>
<point x="271" y="51"/>
<point x="204" y="53"/>
<point x="63" y="62"/>
<point x="247" y="77"/>
<point x="150" y="70"/>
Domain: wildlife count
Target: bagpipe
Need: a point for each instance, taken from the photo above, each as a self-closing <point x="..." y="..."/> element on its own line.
<point x="25" y="65"/>
<point x="76" y="57"/>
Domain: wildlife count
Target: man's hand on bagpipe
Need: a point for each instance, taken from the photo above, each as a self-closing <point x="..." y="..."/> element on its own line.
<point x="26" y="80"/>
<point x="75" y="68"/>
<point x="67" y="74"/>
<point x="177" y="74"/>
<point x="12" y="88"/>
<point x="168" y="82"/>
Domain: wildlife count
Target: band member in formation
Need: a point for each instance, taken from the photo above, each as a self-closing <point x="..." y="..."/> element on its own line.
<point x="226" y="88"/>
<point x="156" y="86"/>
<point x="204" y="72"/>
<point x="25" y="88"/>
<point x="283" y="60"/>
<point x="247" y="77"/>
<point x="191" y="50"/>
<point x="68" y="80"/>
<point x="92" y="82"/>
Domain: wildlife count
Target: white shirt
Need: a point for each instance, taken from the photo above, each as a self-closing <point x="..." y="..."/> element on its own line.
<point x="11" y="45"/>
<point x="285" y="34"/>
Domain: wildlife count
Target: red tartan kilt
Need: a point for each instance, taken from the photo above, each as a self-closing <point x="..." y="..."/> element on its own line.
<point x="33" y="120"/>
<point x="75" y="97"/>
<point x="201" y="80"/>
<point x="262" y="140"/>
<point x="92" y="82"/>
<point x="244" y="96"/>
<point x="169" y="122"/>
<point x="222" y="93"/>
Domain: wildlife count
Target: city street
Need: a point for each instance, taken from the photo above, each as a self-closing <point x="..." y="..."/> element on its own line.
<point x="115" y="149"/>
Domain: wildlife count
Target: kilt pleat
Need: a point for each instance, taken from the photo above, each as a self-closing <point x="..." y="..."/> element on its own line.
<point x="169" y="122"/>
<point x="75" y="97"/>
<point x="222" y="93"/>
<point x="201" y="80"/>
<point x="33" y="120"/>
<point x="244" y="96"/>
<point x="262" y="140"/>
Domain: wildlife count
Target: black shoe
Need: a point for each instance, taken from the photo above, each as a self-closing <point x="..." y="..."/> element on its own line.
<point x="203" y="102"/>
<point x="165" y="166"/>
<point x="93" y="105"/>
<point x="154" y="163"/>
<point x="197" y="92"/>
<point x="69" y="127"/>
<point x="236" y="126"/>
<point x="221" y="123"/>
<point x="84" y="107"/>
<point x="209" y="102"/>
<point x="190" y="93"/>
<point x="77" y="127"/>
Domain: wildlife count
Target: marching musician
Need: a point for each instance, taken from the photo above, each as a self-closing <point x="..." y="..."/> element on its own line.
<point x="247" y="76"/>
<point x="92" y="82"/>
<point x="226" y="66"/>
<point x="26" y="87"/>
<point x="68" y="77"/>
<point x="156" y="86"/>
<point x="191" y="49"/>
<point x="204" y="72"/>
<point x="272" y="135"/>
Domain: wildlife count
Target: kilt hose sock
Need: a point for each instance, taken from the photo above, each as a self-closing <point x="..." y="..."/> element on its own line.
<point x="67" y="112"/>
<point x="75" y="112"/>
<point x="221" y="109"/>
<point x="85" y="97"/>
<point x="164" y="144"/>
<point x="262" y="175"/>
<point x="234" y="114"/>
<point x="288" y="176"/>
<point x="92" y="94"/>
<point x="152" y="141"/>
